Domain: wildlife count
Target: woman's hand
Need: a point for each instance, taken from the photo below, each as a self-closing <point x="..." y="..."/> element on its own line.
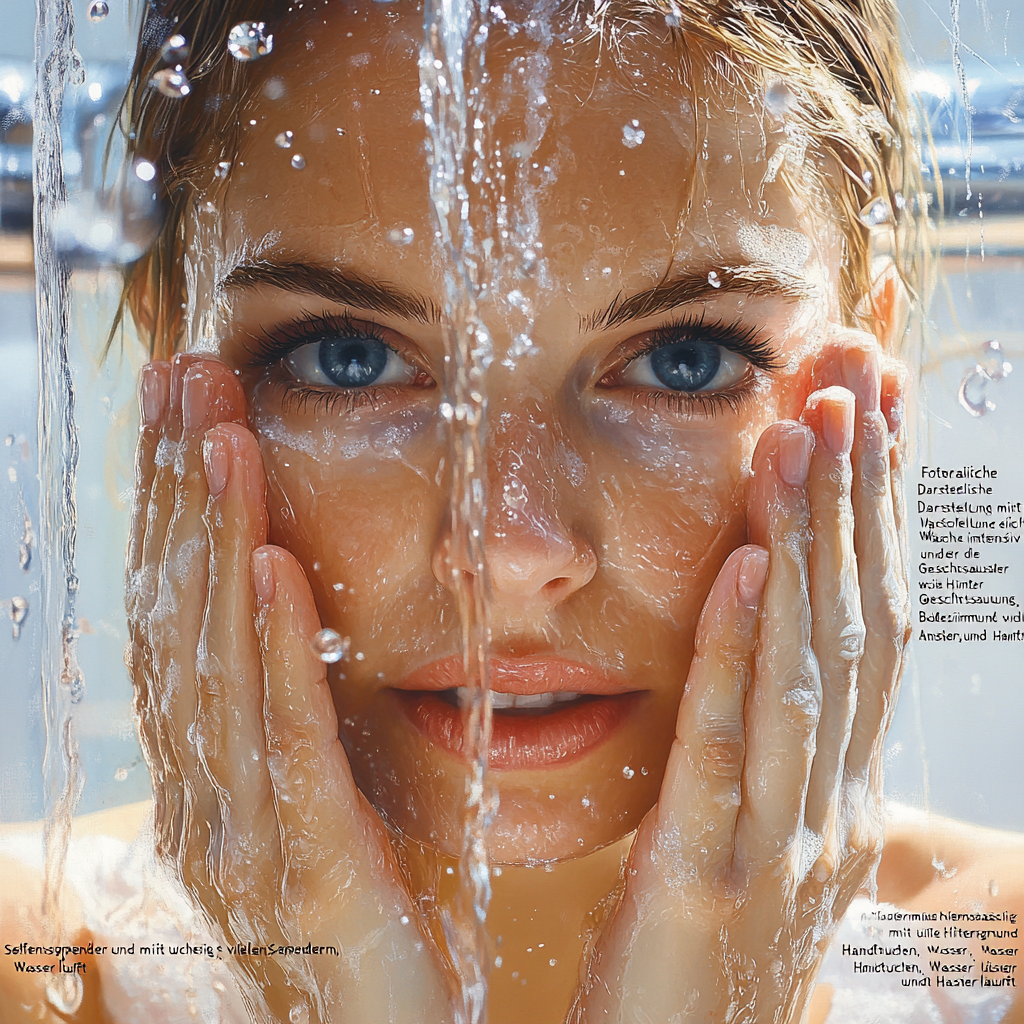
<point x="770" y="815"/>
<point x="256" y="808"/>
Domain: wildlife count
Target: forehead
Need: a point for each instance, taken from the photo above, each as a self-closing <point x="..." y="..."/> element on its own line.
<point x="632" y="156"/>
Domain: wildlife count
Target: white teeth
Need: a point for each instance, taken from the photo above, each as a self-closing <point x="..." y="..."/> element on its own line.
<point x="504" y="701"/>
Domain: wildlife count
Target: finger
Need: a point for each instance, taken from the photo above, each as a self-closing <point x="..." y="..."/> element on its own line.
<point x="165" y="482"/>
<point x="230" y="718"/>
<point x="781" y="713"/>
<point x="317" y="799"/>
<point x="880" y="566"/>
<point x="203" y="393"/>
<point x="700" y="796"/>
<point x="895" y="381"/>
<point x="837" y="631"/>
<point x="154" y="399"/>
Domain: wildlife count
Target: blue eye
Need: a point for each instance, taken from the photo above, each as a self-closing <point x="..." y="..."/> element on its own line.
<point x="353" y="362"/>
<point x="687" y="366"/>
<point x="350" y="360"/>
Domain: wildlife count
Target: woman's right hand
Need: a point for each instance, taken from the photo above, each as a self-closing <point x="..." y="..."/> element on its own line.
<point x="256" y="809"/>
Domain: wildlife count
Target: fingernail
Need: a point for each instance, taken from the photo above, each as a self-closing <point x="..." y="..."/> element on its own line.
<point x="863" y="376"/>
<point x="152" y="396"/>
<point x="217" y="460"/>
<point x="263" y="577"/>
<point x="795" y="446"/>
<point x="197" y="400"/>
<point x="837" y="425"/>
<point x="750" y="579"/>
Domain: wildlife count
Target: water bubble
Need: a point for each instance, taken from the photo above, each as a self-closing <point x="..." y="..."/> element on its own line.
<point x="973" y="393"/>
<point x="875" y="213"/>
<point x="632" y="134"/>
<point x="19" y="609"/>
<point x="98" y="10"/>
<point x="714" y="280"/>
<point x="175" y="49"/>
<point x="298" y="161"/>
<point x="329" y="646"/>
<point x="249" y="41"/>
<point x="401" y="236"/>
<point x="222" y="168"/>
<point x="993" y="362"/>
<point x="284" y="139"/>
<point x="171" y="82"/>
<point x="627" y="772"/>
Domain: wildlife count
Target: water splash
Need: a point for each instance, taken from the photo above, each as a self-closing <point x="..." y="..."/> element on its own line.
<point x="56" y="69"/>
<point x="451" y="79"/>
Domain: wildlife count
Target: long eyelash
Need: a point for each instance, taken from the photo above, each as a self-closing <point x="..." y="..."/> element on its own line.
<point x="748" y="342"/>
<point x="695" y="403"/>
<point x="272" y="345"/>
<point x="298" y="399"/>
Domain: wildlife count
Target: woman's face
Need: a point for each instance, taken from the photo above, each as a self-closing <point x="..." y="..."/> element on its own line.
<point x="674" y="291"/>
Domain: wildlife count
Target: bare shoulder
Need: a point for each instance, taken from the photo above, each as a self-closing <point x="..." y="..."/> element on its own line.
<point x="934" y="864"/>
<point x="928" y="858"/>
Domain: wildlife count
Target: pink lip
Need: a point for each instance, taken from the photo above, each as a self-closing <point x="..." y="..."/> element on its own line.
<point x="522" y="739"/>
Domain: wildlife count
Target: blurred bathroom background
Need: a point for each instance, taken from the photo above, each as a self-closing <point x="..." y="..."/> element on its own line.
<point x="955" y="745"/>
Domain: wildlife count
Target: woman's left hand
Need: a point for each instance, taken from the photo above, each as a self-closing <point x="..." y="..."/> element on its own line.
<point x="770" y="816"/>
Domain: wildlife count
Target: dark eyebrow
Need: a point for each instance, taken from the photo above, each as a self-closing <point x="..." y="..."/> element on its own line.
<point x="336" y="284"/>
<point x="755" y="279"/>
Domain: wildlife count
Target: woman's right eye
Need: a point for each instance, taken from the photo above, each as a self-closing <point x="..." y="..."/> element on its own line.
<point x="349" y="360"/>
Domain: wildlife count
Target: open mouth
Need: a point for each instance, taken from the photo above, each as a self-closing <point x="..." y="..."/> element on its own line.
<point x="547" y="711"/>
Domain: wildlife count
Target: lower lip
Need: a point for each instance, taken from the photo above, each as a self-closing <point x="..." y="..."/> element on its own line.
<point x="523" y="739"/>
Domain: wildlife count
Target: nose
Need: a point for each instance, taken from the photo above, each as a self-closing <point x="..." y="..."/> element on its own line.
<point x="534" y="560"/>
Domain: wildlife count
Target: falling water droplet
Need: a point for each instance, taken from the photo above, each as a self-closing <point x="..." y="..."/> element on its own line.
<point x="222" y="168"/>
<point x="98" y="10"/>
<point x="875" y="213"/>
<point x="401" y="235"/>
<point x="121" y="774"/>
<point x="175" y="49"/>
<point x="993" y="887"/>
<point x="627" y="772"/>
<point x="249" y="41"/>
<point x="993" y="362"/>
<point x="19" y="609"/>
<point x="972" y="393"/>
<point x="632" y="135"/>
<point x="284" y="139"/>
<point x="714" y="280"/>
<point x="330" y="647"/>
<point x="171" y="82"/>
<point x="298" y="161"/>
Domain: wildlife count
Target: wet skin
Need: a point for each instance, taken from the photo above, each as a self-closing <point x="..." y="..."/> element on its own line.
<point x="616" y="500"/>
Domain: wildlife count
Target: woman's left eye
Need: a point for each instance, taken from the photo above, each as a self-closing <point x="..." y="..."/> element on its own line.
<point x="349" y="360"/>
<point x="686" y="366"/>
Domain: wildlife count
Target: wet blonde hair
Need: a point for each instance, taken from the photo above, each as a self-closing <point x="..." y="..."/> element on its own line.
<point x="837" y="66"/>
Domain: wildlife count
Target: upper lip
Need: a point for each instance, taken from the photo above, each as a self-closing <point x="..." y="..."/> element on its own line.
<point x="542" y="673"/>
